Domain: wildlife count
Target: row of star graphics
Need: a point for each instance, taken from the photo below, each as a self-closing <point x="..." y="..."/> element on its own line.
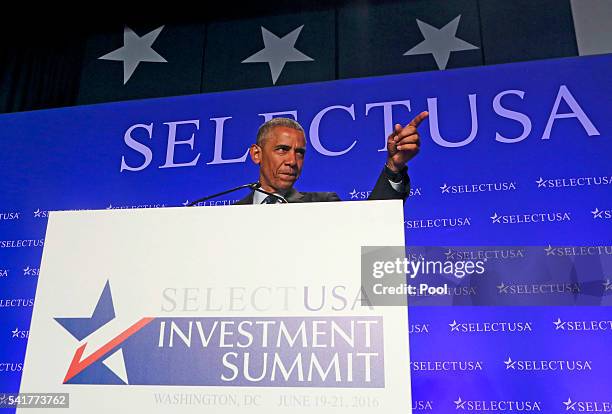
<point x="560" y="183"/>
<point x="278" y="51"/>
<point x="530" y="290"/>
<point x="541" y="366"/>
<point x="524" y="218"/>
<point x="461" y="253"/>
<point x="597" y="213"/>
<point x="26" y="271"/>
<point x="575" y="405"/>
<point x="496" y="217"/>
<point x="467" y="189"/>
<point x="575" y="326"/>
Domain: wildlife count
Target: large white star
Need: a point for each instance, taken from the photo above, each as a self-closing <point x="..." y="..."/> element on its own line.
<point x="440" y="42"/>
<point x="135" y="49"/>
<point x="278" y="51"/>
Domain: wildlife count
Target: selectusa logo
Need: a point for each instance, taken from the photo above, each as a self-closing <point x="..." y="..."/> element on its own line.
<point x="592" y="325"/>
<point x="111" y="207"/>
<point x="16" y="303"/>
<point x="578" y="250"/>
<point x="573" y="181"/>
<point x="41" y="213"/>
<point x="530" y="218"/>
<point x="13" y="244"/>
<point x="549" y="365"/>
<point x="537" y="289"/>
<point x="11" y="366"/>
<point x="588" y="406"/>
<point x="484" y="254"/>
<point x="212" y="203"/>
<point x="607" y="285"/>
<point x="363" y="195"/>
<point x="30" y="271"/>
<point x="138" y="138"/>
<point x="601" y="214"/>
<point x="478" y="188"/>
<point x="438" y="222"/>
<point x="497" y="405"/>
<point x="450" y="291"/>
<point x="12" y="215"/>
<point x="422" y="405"/>
<point x="418" y="328"/>
<point x="446" y="365"/>
<point x="479" y="327"/>
<point x="146" y="337"/>
<point x="19" y="334"/>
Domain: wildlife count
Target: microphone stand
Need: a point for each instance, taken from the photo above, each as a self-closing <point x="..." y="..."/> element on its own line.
<point x="252" y="186"/>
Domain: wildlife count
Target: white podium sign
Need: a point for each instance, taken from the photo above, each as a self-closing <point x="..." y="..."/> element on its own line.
<point x="235" y="309"/>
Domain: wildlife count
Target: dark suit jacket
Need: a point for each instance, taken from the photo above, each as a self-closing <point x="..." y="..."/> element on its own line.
<point x="382" y="191"/>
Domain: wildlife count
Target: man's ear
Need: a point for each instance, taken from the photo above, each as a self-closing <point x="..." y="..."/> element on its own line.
<point x="255" y="153"/>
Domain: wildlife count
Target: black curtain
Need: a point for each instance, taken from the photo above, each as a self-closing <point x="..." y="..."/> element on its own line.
<point x="39" y="71"/>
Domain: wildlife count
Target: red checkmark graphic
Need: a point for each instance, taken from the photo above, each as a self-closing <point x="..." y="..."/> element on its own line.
<point x="77" y="366"/>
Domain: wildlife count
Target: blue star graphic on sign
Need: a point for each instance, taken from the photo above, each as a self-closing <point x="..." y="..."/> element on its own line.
<point x="104" y="312"/>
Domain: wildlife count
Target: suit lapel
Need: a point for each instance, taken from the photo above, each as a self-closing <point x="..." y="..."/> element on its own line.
<point x="247" y="200"/>
<point x="294" y="196"/>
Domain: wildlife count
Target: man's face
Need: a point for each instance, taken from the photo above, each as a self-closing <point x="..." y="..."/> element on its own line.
<point x="280" y="158"/>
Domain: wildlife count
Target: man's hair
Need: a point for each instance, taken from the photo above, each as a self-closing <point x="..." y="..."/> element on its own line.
<point x="265" y="129"/>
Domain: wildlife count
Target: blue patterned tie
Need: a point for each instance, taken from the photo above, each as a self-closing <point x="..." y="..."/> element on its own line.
<point x="270" y="200"/>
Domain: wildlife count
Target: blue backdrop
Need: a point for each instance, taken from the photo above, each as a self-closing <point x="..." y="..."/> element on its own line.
<point x="515" y="154"/>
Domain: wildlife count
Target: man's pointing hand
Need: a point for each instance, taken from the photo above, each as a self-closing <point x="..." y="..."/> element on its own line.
<point x="404" y="143"/>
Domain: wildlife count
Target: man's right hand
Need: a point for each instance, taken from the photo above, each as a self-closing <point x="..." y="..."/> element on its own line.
<point x="404" y="143"/>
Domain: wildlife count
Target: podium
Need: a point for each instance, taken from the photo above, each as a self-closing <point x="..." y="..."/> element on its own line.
<point x="218" y="309"/>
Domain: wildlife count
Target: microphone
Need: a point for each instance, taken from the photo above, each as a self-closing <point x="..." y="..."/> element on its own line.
<point x="253" y="186"/>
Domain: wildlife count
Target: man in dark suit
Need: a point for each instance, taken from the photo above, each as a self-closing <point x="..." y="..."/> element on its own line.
<point x="280" y="149"/>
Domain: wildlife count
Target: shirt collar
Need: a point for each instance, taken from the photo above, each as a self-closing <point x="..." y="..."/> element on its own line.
<point x="259" y="197"/>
